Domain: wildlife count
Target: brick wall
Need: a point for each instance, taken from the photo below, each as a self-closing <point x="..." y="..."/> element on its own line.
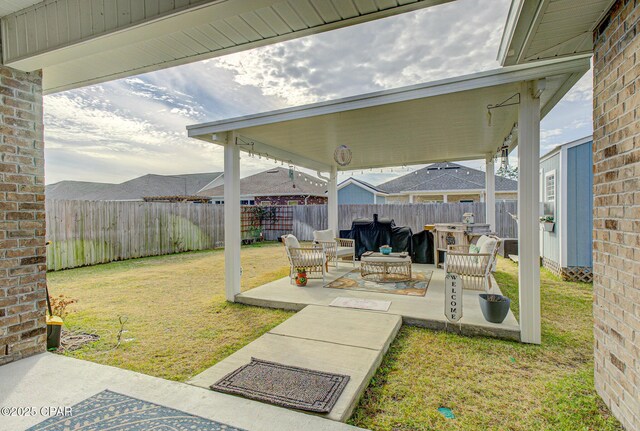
<point x="616" y="246"/>
<point x="22" y="244"/>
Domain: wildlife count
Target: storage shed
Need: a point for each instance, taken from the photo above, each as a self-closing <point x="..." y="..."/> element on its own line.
<point x="566" y="196"/>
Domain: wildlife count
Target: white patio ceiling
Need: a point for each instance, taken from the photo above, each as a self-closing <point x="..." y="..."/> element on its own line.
<point x="438" y="121"/>
<point x="84" y="42"/>
<point x="546" y="29"/>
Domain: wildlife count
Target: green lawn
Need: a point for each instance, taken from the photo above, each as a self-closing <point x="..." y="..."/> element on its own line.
<point x="179" y="324"/>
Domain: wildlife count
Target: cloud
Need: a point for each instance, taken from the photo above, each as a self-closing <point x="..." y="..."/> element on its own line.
<point x="130" y="127"/>
<point x="391" y="52"/>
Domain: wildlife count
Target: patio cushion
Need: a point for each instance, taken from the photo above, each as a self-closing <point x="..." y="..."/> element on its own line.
<point x="291" y="241"/>
<point x="480" y="242"/>
<point x="488" y="246"/>
<point x="323" y="235"/>
<point x="344" y="251"/>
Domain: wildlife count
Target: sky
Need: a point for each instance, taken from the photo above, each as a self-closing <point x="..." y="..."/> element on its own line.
<point x="122" y="129"/>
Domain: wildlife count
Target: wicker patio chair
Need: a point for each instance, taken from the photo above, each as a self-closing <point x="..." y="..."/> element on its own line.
<point x="313" y="259"/>
<point x="474" y="268"/>
<point x="336" y="248"/>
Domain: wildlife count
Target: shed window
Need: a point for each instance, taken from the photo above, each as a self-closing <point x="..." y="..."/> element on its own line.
<point x="550" y="193"/>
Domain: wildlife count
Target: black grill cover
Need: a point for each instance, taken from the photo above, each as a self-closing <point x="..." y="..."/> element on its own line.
<point x="423" y="247"/>
<point x="369" y="235"/>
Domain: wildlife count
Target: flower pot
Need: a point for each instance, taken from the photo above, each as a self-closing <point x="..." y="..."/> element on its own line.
<point x="301" y="278"/>
<point x="54" y="330"/>
<point x="386" y="250"/>
<point x="494" y="311"/>
<point x="549" y="226"/>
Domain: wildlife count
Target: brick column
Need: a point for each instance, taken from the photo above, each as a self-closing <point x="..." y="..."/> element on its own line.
<point x="616" y="218"/>
<point x="22" y="243"/>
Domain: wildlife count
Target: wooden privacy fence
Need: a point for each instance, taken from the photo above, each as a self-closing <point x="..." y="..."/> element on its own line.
<point x="306" y="219"/>
<point x="90" y="232"/>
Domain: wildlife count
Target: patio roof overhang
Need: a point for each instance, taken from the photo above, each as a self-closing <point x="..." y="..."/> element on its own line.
<point x="543" y="29"/>
<point x="443" y="120"/>
<point x="77" y="43"/>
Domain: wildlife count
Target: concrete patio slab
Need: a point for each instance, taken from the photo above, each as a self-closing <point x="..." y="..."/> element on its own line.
<point x="427" y="311"/>
<point x="313" y="339"/>
<point x="51" y="380"/>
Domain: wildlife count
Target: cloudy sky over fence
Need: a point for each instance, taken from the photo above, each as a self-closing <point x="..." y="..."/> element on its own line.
<point x="122" y="129"/>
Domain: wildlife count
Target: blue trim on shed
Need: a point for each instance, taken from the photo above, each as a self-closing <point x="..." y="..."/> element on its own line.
<point x="579" y="205"/>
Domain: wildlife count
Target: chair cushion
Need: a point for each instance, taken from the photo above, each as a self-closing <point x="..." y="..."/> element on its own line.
<point x="481" y="241"/>
<point x="488" y="246"/>
<point x="344" y="251"/>
<point x="291" y="241"/>
<point x="323" y="235"/>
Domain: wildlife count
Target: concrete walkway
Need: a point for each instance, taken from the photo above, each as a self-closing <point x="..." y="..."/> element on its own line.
<point x="51" y="380"/>
<point x="425" y="311"/>
<point x="335" y="340"/>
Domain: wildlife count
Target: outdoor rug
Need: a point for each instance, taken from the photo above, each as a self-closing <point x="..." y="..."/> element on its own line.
<point x="116" y="412"/>
<point x="283" y="385"/>
<point x="414" y="287"/>
<point x="361" y="303"/>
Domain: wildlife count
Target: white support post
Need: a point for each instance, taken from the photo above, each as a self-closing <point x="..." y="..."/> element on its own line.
<point x="410" y="199"/>
<point x="232" y="235"/>
<point x="445" y="198"/>
<point x="528" y="209"/>
<point x="490" y="194"/>
<point x="332" y="201"/>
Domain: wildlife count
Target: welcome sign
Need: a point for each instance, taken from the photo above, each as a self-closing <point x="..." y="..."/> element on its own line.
<point x="453" y="297"/>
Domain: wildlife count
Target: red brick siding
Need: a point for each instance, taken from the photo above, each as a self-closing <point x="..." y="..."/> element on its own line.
<point x="284" y="200"/>
<point x="22" y="243"/>
<point x="616" y="245"/>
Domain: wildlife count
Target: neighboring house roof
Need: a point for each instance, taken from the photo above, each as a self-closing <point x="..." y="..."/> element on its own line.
<point x="274" y="182"/>
<point x="135" y="189"/>
<point x="362" y="184"/>
<point x="445" y="177"/>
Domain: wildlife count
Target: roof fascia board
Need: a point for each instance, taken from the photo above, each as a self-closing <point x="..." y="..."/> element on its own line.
<point x="521" y="16"/>
<point x="474" y="81"/>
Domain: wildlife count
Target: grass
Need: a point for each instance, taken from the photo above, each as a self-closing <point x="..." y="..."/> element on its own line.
<point x="493" y="384"/>
<point x="180" y="324"/>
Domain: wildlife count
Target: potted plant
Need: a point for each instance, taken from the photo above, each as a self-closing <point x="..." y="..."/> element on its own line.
<point x="301" y="277"/>
<point x="494" y="307"/>
<point x="57" y="310"/>
<point x="548" y="223"/>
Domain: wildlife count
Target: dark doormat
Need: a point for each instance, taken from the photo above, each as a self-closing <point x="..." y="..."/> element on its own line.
<point x="284" y="385"/>
<point x="116" y="412"/>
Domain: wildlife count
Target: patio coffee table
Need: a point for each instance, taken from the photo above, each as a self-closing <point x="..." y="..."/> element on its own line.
<point x="385" y="268"/>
